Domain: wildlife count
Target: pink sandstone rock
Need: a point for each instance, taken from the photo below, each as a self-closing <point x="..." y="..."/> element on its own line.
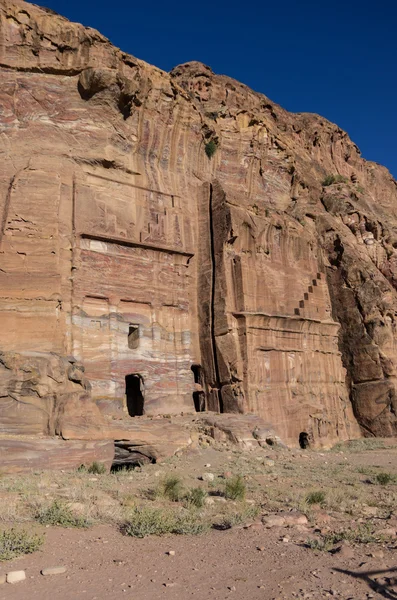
<point x="172" y="242"/>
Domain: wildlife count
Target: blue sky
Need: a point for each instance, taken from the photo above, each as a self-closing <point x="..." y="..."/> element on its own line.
<point x="335" y="58"/>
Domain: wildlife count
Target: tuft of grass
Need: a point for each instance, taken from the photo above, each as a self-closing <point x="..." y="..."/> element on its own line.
<point x="235" y="488"/>
<point x="383" y="478"/>
<point x="60" y="514"/>
<point x="171" y="487"/>
<point x="237" y="517"/>
<point x="196" y="497"/>
<point x="149" y="521"/>
<point x="323" y="544"/>
<point x="14" y="542"/>
<point x="189" y="524"/>
<point x="317" y="497"/>
<point x="156" y="521"/>
<point x="210" y="148"/>
<point x="360" y="535"/>
<point x="97" y="468"/>
<point x="360" y="445"/>
<point x="331" y="179"/>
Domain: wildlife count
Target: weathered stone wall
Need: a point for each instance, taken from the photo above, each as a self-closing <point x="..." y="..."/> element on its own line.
<point x="124" y="246"/>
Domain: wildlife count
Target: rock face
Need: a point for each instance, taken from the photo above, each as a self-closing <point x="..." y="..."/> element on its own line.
<point x="172" y="242"/>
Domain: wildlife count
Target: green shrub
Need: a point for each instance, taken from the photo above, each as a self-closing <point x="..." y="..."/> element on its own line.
<point x="15" y="542"/>
<point x="171" y="488"/>
<point x="196" y="497"/>
<point x="210" y="148"/>
<point x="189" y="524"/>
<point x="156" y="521"/>
<point x="330" y="179"/>
<point x="149" y="521"/>
<point x="237" y="517"/>
<point x="97" y="468"/>
<point x="235" y="488"/>
<point x="317" y="497"/>
<point x="383" y="478"/>
<point x="60" y="514"/>
<point x="360" y="535"/>
<point x="325" y="543"/>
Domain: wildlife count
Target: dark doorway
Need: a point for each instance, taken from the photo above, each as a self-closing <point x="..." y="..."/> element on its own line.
<point x="198" y="394"/>
<point x="304" y="440"/>
<point x="134" y="393"/>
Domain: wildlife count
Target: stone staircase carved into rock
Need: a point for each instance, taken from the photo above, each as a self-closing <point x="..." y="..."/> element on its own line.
<point x="299" y="310"/>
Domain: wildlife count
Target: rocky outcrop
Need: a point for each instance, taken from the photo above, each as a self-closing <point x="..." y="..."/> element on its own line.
<point x="46" y="394"/>
<point x="187" y="242"/>
<point x="24" y="454"/>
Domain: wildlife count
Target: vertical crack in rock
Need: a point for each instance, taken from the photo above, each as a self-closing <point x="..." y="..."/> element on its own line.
<point x="218" y="386"/>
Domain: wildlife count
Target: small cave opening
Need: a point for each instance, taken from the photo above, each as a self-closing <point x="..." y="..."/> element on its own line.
<point x="198" y="394"/>
<point x="134" y="391"/>
<point x="304" y="442"/>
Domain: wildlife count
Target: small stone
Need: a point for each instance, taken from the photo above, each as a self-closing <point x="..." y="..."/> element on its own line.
<point x="232" y="588"/>
<point x="207" y="466"/>
<point x="208" y="477"/>
<point x="16" y="576"/>
<point x="171" y="552"/>
<point x="294" y="518"/>
<point x="285" y="540"/>
<point x="377" y="554"/>
<point x="54" y="570"/>
<point x="268" y="462"/>
<point x="208" y="501"/>
<point x="260" y="548"/>
<point x="273" y="521"/>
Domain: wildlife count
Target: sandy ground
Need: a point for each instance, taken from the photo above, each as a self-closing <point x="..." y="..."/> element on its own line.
<point x="246" y="562"/>
<point x="103" y="564"/>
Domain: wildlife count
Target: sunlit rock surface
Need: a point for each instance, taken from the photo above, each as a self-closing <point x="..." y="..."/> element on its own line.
<point x="167" y="245"/>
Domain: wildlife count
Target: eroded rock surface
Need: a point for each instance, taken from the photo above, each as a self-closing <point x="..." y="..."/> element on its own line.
<point x="188" y="243"/>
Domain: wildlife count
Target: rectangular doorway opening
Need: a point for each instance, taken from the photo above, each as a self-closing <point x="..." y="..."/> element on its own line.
<point x="134" y="391"/>
<point x="199" y="393"/>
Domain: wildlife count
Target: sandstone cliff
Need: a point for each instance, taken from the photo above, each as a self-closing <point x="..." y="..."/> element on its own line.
<point x="172" y="242"/>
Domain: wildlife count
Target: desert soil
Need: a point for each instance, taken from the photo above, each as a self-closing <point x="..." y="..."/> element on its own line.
<point x="250" y="560"/>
